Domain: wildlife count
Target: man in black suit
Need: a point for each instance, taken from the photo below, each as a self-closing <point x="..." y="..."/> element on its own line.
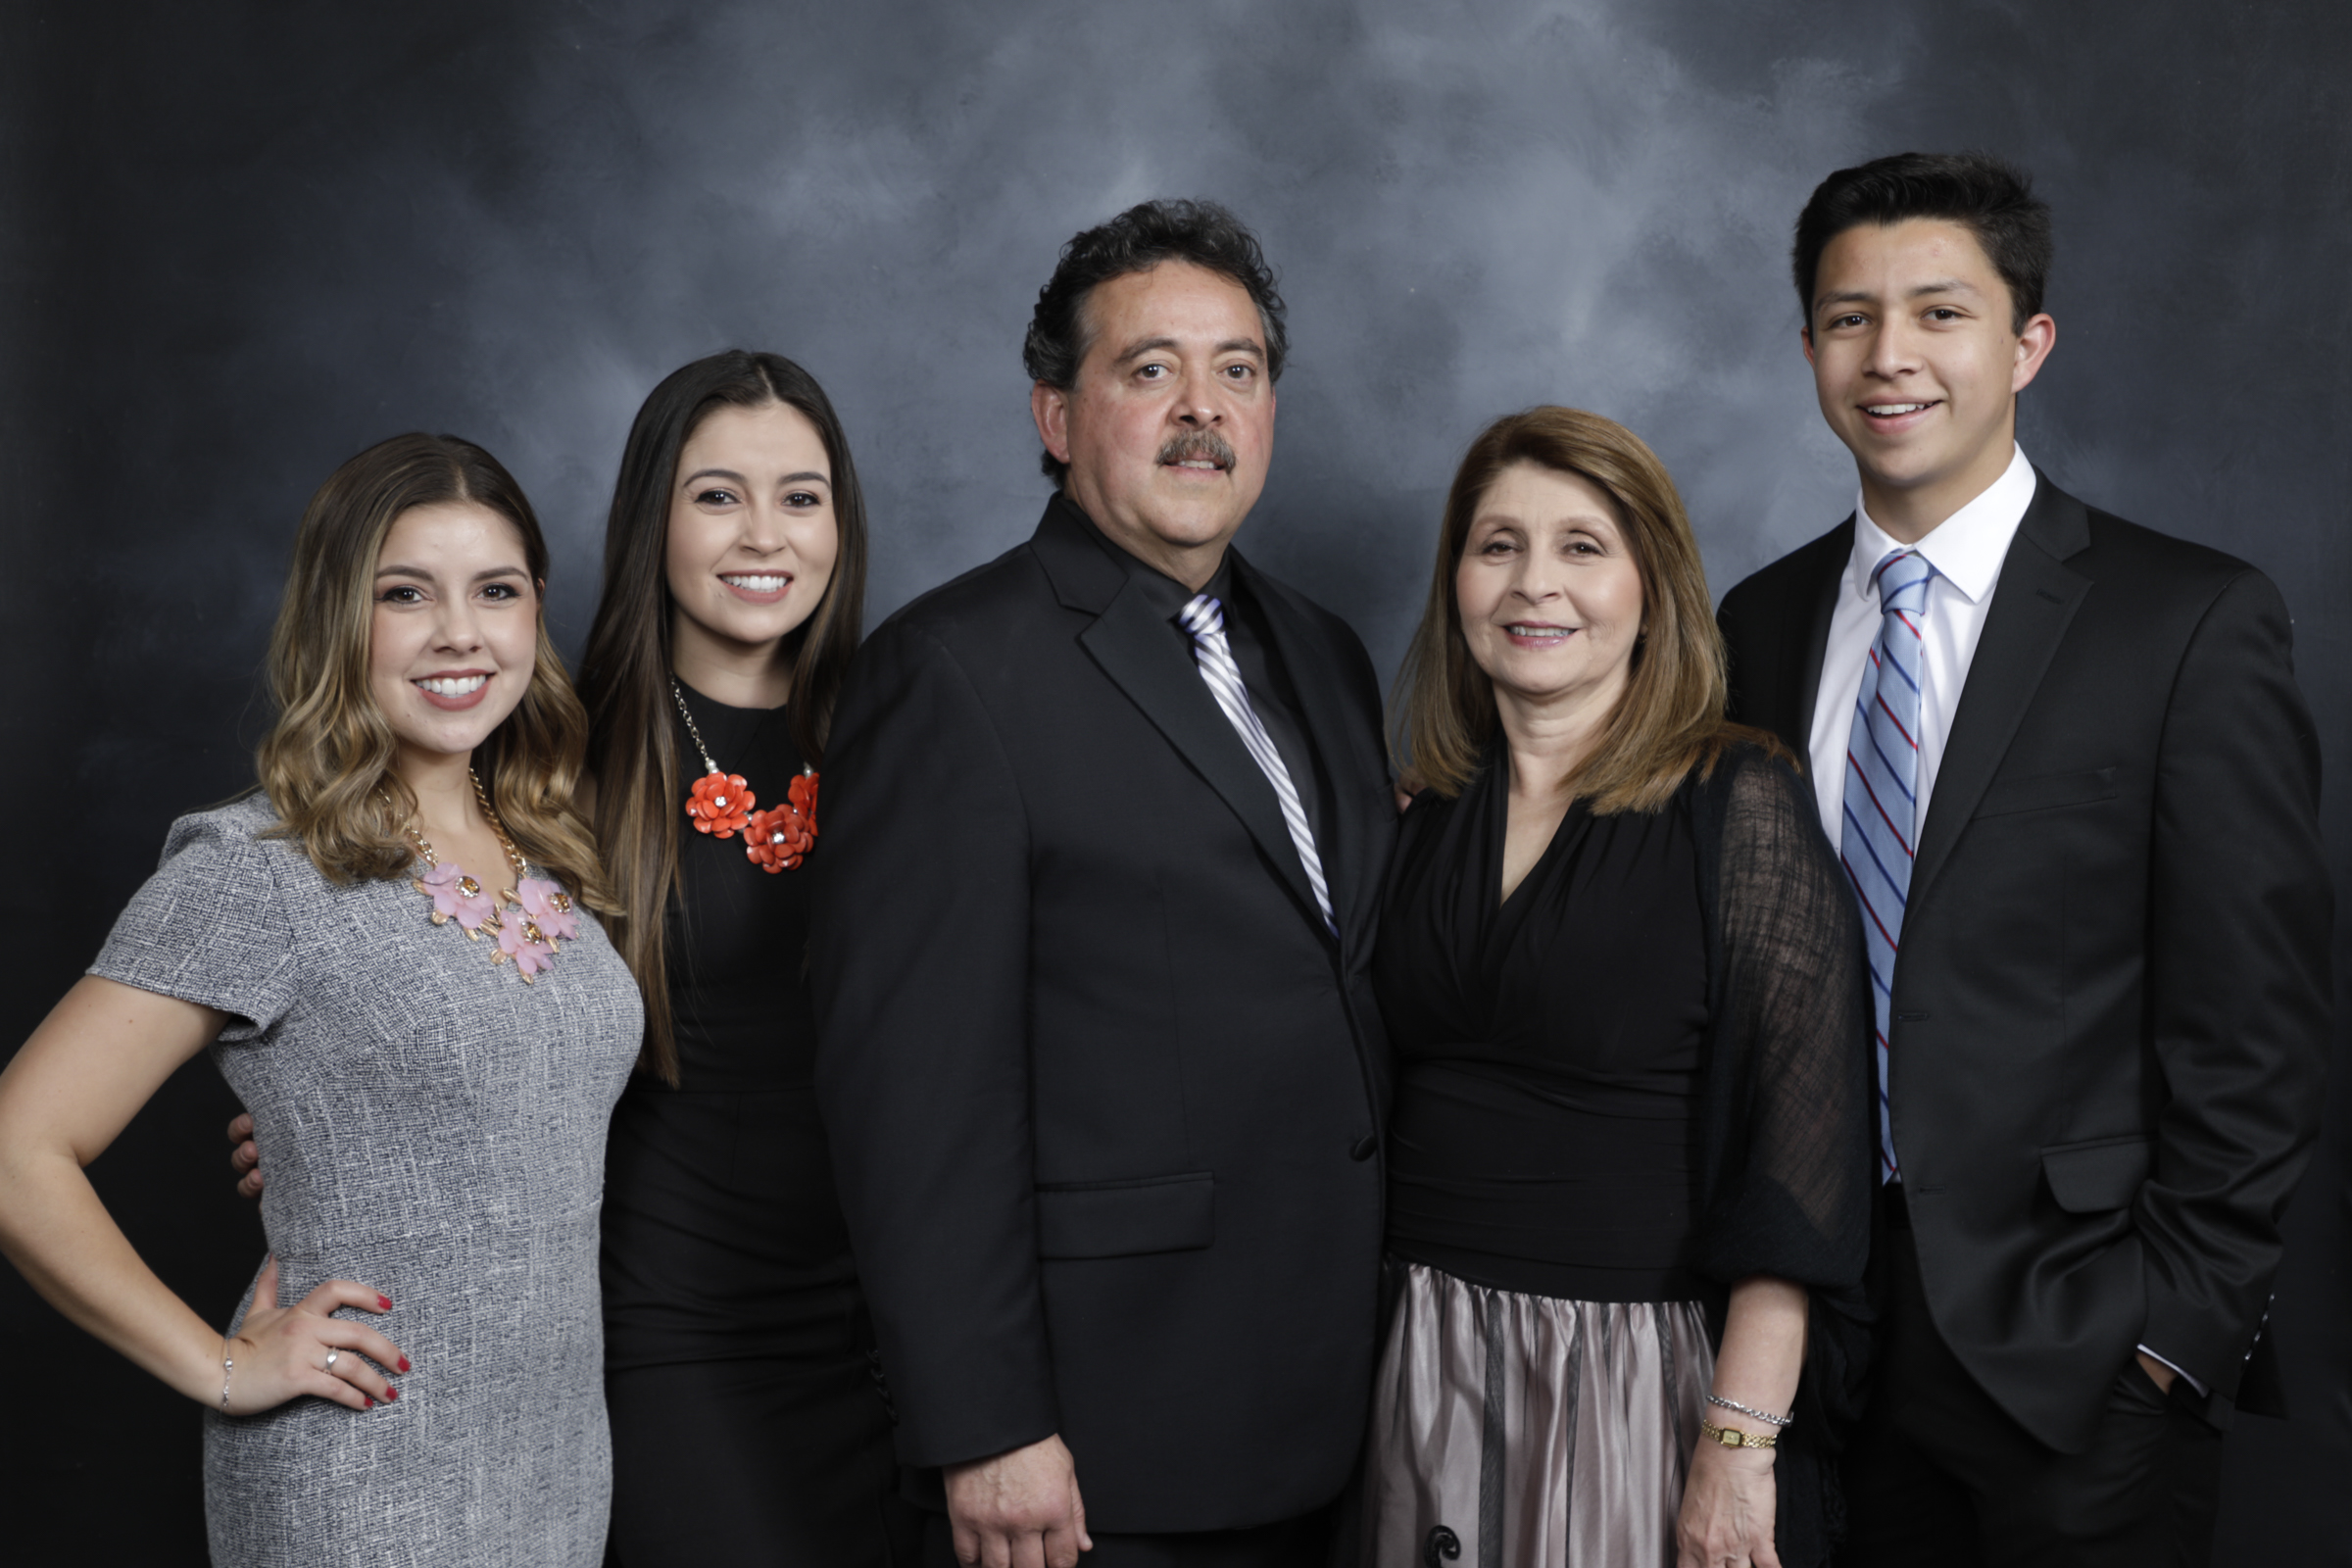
<point x="2077" y="790"/>
<point x="1105" y="826"/>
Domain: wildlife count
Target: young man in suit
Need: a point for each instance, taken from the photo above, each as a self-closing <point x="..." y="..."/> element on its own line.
<point x="2075" y="788"/>
<point x="1107" y="823"/>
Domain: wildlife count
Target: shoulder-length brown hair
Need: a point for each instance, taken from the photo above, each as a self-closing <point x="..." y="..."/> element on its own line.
<point x="1670" y="719"/>
<point x="326" y="764"/>
<point x="625" y="675"/>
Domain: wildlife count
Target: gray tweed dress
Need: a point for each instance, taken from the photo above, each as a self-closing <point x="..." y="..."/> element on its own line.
<point x="432" y="1127"/>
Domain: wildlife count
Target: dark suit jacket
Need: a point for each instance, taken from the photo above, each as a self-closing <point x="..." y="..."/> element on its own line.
<point x="2112" y="1005"/>
<point x="1101" y="1089"/>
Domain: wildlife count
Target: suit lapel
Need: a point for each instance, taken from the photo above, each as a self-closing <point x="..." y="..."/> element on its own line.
<point x="1145" y="656"/>
<point x="1777" y="623"/>
<point x="1321" y="689"/>
<point x="1817" y="637"/>
<point x="2033" y="605"/>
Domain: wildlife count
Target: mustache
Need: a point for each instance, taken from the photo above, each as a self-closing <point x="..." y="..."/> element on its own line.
<point x="1198" y="444"/>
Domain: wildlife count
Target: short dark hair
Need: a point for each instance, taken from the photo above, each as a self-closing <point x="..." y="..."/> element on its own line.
<point x="1139" y="239"/>
<point x="1989" y="197"/>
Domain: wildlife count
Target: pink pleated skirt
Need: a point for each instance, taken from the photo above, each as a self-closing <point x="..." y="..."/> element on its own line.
<point x="1517" y="1431"/>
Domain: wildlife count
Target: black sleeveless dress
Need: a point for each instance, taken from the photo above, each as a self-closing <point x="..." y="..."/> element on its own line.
<point x="749" y="1424"/>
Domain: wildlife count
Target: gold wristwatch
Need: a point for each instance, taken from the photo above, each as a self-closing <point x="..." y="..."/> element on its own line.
<point x="1734" y="1437"/>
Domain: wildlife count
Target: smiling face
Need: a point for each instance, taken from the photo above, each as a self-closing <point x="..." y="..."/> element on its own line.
<point x="1548" y="591"/>
<point x="454" y="635"/>
<point x="752" y="538"/>
<point x="1918" y="367"/>
<point x="1170" y="425"/>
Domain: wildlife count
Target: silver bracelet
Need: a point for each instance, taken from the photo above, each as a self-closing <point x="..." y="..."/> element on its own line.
<point x="228" y="1369"/>
<point x="1768" y="1420"/>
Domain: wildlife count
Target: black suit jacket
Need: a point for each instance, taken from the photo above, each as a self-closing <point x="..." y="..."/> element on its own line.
<point x="2112" y="1005"/>
<point x="1102" y="1091"/>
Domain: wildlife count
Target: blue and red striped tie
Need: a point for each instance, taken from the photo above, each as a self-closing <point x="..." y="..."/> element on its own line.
<point x="1882" y="791"/>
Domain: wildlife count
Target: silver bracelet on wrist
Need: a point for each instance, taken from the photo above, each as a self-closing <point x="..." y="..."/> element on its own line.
<point x="228" y="1369"/>
<point x="1768" y="1420"/>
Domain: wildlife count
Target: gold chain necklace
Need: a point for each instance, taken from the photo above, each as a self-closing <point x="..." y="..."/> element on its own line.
<point x="527" y="919"/>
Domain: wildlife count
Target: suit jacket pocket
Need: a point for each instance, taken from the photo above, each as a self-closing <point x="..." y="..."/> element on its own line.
<point x="1121" y="1219"/>
<point x="2046" y="790"/>
<point x="2101" y="1174"/>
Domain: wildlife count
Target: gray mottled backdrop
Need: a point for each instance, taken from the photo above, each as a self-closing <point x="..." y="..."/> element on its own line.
<point x="240" y="241"/>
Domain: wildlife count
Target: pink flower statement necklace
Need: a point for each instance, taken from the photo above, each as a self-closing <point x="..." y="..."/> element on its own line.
<point x="720" y="805"/>
<point x="527" y="920"/>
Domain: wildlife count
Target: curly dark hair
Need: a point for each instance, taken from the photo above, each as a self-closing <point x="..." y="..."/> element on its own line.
<point x="1990" y="197"/>
<point x="1139" y="239"/>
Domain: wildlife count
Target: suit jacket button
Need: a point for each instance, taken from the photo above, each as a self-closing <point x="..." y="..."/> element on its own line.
<point x="1363" y="1148"/>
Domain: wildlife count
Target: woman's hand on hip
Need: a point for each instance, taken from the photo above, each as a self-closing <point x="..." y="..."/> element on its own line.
<point x="282" y="1353"/>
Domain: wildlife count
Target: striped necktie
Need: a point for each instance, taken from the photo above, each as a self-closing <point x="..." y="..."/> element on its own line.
<point x="1882" y="791"/>
<point x="1204" y="618"/>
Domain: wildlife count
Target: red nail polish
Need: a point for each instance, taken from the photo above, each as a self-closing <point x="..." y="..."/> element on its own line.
<point x="404" y="1363"/>
<point x="391" y="1393"/>
<point x="384" y="1301"/>
<point x="371" y="1402"/>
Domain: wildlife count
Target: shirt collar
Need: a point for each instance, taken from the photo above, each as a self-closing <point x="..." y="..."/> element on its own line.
<point x="1968" y="547"/>
<point x="1159" y="590"/>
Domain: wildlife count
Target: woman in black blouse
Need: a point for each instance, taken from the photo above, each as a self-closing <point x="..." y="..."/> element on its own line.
<point x="1629" y="1157"/>
<point x="748" y="1424"/>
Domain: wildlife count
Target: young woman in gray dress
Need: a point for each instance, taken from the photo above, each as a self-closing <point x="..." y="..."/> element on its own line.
<point x="1629" y="1157"/>
<point x="389" y="951"/>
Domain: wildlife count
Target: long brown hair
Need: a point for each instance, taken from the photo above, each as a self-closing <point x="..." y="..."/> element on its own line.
<point x="326" y="764"/>
<point x="1669" y="720"/>
<point x="626" y="673"/>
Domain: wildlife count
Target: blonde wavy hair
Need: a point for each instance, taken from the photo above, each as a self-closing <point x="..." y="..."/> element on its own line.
<point x="1669" y="721"/>
<point x="326" y="764"/>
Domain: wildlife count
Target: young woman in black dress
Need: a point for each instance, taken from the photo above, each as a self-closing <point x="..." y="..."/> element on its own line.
<point x="749" y="1426"/>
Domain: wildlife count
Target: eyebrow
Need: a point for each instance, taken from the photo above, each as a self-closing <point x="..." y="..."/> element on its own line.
<point x="1855" y="296"/>
<point x="1152" y="345"/>
<point x="479" y="576"/>
<point x="1574" y="523"/>
<point x="806" y="476"/>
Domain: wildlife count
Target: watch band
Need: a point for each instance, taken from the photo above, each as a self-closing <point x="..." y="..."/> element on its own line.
<point x="1734" y="1437"/>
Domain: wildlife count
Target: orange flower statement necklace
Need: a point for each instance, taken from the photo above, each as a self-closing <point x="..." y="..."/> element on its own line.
<point x="720" y="805"/>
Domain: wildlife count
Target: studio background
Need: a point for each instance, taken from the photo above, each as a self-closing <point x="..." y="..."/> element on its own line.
<point x="240" y="242"/>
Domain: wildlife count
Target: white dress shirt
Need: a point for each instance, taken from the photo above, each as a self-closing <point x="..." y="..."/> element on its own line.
<point x="1965" y="550"/>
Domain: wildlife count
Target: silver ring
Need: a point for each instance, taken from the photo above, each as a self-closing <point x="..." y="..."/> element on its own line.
<point x="331" y="1359"/>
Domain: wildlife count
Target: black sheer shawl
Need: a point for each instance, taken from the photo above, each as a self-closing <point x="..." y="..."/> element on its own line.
<point x="1787" y="1170"/>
